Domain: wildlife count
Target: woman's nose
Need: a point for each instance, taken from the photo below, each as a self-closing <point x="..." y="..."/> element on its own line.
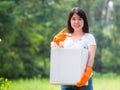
<point x="76" y="21"/>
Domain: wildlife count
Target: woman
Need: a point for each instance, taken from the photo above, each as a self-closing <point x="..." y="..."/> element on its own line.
<point x="77" y="35"/>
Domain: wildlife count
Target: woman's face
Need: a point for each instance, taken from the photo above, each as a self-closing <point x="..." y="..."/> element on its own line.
<point x="77" y="22"/>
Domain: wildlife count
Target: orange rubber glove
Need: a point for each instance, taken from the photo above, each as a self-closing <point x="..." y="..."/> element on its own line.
<point x="60" y="37"/>
<point x="85" y="77"/>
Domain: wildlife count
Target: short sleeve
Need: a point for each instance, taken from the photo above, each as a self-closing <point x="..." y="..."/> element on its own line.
<point x="91" y="40"/>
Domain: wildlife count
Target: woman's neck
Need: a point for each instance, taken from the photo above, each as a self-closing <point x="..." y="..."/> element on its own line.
<point x="77" y="34"/>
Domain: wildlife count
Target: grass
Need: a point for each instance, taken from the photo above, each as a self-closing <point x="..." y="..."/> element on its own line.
<point x="100" y="82"/>
<point x="33" y="84"/>
<point x="106" y="82"/>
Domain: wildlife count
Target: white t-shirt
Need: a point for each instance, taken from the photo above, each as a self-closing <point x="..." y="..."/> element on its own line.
<point x="83" y="42"/>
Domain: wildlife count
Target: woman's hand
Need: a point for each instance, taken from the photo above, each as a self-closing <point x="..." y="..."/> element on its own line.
<point x="54" y="45"/>
<point x="85" y="77"/>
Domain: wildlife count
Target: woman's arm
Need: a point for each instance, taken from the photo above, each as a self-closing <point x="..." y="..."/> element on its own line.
<point x="91" y="55"/>
<point x="88" y="71"/>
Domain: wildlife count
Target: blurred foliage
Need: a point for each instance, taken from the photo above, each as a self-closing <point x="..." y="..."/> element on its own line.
<point x="27" y="28"/>
<point x="4" y="83"/>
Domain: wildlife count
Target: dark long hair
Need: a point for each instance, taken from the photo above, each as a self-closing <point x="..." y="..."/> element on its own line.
<point x="81" y="13"/>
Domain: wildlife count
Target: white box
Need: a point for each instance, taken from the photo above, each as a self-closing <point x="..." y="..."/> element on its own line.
<point x="67" y="65"/>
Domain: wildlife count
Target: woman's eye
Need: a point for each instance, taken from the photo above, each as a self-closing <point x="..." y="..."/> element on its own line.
<point x="77" y="19"/>
<point x="73" y="19"/>
<point x="80" y="18"/>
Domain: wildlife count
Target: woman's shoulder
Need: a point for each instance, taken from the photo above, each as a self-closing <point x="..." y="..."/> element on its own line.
<point x="90" y="38"/>
<point x="89" y="35"/>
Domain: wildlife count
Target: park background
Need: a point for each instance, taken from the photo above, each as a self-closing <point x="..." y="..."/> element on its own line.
<point x="28" y="26"/>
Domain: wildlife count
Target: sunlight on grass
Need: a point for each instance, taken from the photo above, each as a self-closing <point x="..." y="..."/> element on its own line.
<point x="101" y="82"/>
<point x="33" y="84"/>
<point x="106" y="82"/>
